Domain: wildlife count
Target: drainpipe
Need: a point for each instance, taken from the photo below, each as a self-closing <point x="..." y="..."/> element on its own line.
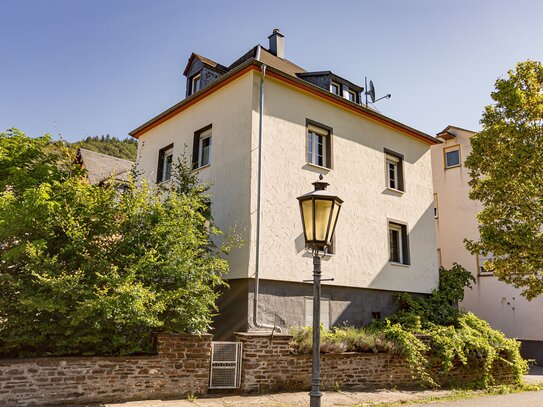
<point x="259" y="193"/>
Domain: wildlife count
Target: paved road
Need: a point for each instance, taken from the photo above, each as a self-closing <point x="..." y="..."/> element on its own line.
<point x="526" y="399"/>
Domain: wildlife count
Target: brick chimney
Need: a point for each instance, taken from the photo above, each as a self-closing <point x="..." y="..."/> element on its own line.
<point x="277" y="43"/>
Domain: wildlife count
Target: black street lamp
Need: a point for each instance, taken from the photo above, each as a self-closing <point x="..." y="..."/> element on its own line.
<point x="320" y="210"/>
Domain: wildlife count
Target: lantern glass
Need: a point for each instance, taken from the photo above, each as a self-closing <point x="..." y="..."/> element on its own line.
<point x="307" y="213"/>
<point x="320" y="210"/>
<point x="335" y="213"/>
<point x="323" y="210"/>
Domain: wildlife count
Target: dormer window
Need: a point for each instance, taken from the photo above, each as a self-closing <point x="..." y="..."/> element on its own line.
<point x="335" y="88"/>
<point x="351" y="96"/>
<point x="195" y="83"/>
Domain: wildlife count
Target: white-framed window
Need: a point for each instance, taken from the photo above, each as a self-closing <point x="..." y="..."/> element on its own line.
<point x="482" y="271"/>
<point x="325" y="311"/>
<point x="165" y="163"/>
<point x="452" y="157"/>
<point x="196" y="83"/>
<point x="398" y="245"/>
<point x="335" y="88"/>
<point x="204" y="148"/>
<point x="351" y="96"/>
<point x="318" y="144"/>
<point x="394" y="170"/>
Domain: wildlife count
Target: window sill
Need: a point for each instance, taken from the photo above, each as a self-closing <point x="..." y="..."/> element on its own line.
<point x="453" y="166"/>
<point x="397" y="191"/>
<point x="393" y="263"/>
<point x="486" y="274"/>
<point x="320" y="167"/>
<point x="201" y="168"/>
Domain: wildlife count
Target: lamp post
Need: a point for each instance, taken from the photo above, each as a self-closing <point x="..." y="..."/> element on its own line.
<point x="320" y="210"/>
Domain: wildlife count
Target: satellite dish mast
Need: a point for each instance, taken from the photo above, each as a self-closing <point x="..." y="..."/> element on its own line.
<point x="371" y="92"/>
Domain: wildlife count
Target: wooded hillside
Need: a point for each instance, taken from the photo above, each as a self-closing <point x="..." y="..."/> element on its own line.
<point x="126" y="148"/>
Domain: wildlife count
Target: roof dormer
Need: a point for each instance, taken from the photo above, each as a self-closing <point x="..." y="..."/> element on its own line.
<point x="200" y="72"/>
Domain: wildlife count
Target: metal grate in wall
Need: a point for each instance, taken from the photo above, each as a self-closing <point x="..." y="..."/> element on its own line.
<point x="225" y="365"/>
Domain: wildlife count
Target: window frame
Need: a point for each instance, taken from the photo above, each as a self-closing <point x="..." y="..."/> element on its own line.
<point x="480" y="260"/>
<point x="404" y="254"/>
<point x="197" y="150"/>
<point x="353" y="93"/>
<point x="436" y="206"/>
<point x="337" y="85"/>
<point x="397" y="159"/>
<point x="193" y="80"/>
<point x="313" y="127"/>
<point x="163" y="153"/>
<point x="450" y="149"/>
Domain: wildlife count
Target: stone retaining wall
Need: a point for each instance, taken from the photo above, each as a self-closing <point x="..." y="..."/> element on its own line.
<point x="269" y="365"/>
<point x="180" y="367"/>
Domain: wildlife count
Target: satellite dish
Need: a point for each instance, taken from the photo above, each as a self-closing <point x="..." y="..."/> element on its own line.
<point x="371" y="92"/>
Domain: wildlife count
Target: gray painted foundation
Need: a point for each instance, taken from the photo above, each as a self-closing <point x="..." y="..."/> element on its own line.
<point x="284" y="304"/>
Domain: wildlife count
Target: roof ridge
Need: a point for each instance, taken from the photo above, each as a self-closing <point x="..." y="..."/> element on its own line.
<point x="106" y="155"/>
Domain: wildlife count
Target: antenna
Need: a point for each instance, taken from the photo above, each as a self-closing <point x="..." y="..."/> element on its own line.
<point x="371" y="93"/>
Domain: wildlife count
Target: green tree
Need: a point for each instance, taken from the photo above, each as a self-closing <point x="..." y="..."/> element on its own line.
<point x="91" y="270"/>
<point x="506" y="166"/>
<point x="126" y="148"/>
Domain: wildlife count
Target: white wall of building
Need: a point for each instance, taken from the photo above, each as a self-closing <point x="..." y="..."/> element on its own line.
<point x="498" y="303"/>
<point x="358" y="177"/>
<point x="228" y="110"/>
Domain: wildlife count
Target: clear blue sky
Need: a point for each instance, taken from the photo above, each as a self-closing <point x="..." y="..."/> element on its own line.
<point x="91" y="67"/>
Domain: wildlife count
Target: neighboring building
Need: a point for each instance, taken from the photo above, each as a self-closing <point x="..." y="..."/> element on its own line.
<point x="456" y="219"/>
<point x="102" y="168"/>
<point x="312" y="123"/>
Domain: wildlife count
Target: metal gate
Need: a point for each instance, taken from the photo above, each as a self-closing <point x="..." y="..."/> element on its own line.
<point x="225" y="365"/>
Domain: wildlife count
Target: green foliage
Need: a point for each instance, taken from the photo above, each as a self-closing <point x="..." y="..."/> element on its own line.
<point x="506" y="166"/>
<point x="25" y="162"/>
<point x="91" y="270"/>
<point x="341" y="339"/>
<point x="441" y="307"/>
<point x="455" y="337"/>
<point x="429" y="332"/>
<point x="126" y="148"/>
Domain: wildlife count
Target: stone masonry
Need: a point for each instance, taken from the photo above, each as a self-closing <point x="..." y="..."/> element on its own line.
<point x="180" y="367"/>
<point x="269" y="365"/>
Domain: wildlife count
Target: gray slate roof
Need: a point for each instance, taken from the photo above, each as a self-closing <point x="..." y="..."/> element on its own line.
<point x="100" y="167"/>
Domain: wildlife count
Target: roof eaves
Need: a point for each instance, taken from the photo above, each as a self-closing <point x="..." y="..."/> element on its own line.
<point x="354" y="106"/>
<point x="239" y="70"/>
<point x="230" y="75"/>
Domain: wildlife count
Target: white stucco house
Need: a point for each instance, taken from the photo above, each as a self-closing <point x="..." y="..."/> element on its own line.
<point x="456" y="219"/>
<point x="303" y="124"/>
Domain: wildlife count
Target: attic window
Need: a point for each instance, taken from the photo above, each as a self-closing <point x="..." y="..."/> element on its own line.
<point x="351" y="96"/>
<point x="335" y="88"/>
<point x="451" y="156"/>
<point x="195" y="83"/>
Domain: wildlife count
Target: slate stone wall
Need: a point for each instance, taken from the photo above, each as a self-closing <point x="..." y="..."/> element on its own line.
<point x="181" y="367"/>
<point x="269" y="365"/>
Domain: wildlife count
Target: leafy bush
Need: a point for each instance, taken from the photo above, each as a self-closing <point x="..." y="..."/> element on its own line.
<point x="341" y="339"/>
<point x="90" y="270"/>
<point x="429" y="332"/>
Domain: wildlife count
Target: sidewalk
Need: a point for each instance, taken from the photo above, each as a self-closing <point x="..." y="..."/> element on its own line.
<point x="296" y="399"/>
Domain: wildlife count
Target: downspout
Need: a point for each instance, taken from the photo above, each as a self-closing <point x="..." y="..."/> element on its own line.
<point x="258" y="199"/>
